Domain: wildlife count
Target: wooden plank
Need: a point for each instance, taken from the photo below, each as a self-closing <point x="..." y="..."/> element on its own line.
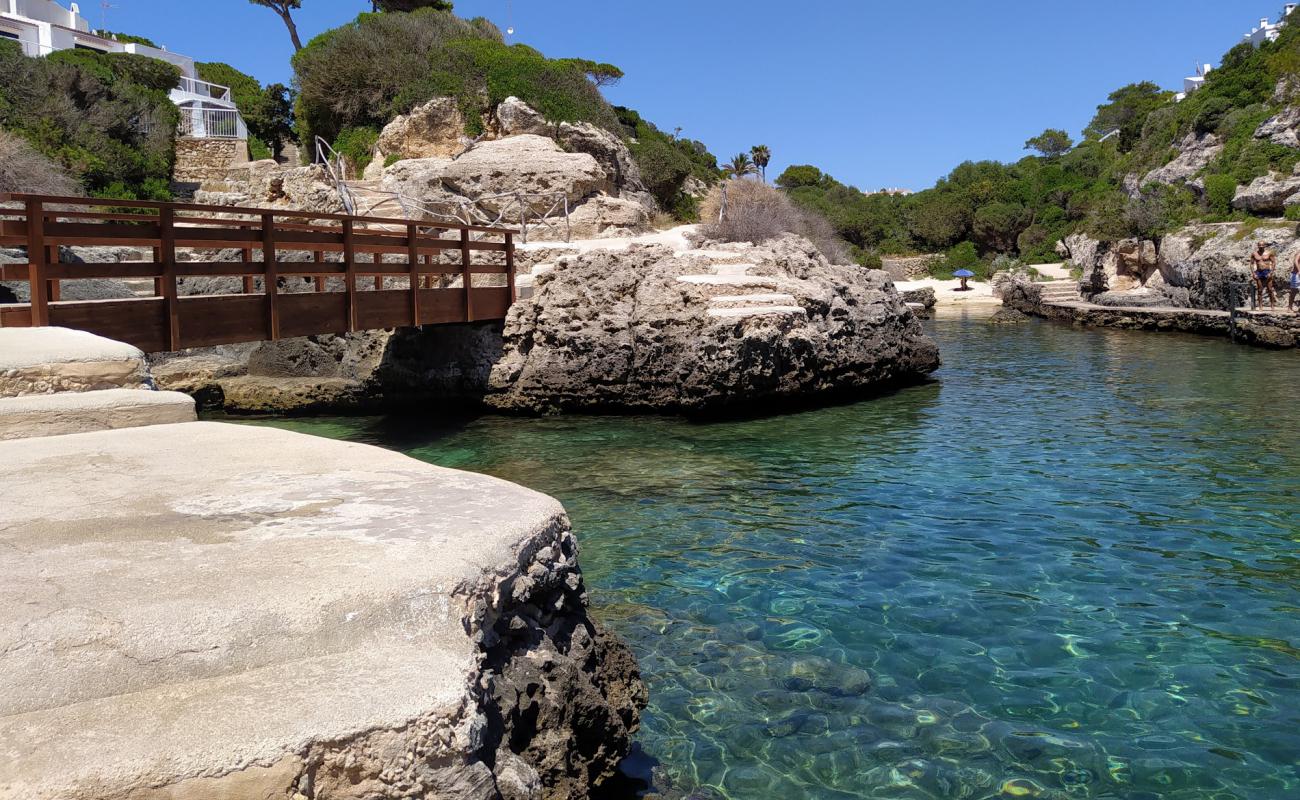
<point x="350" y="278"/>
<point x="14" y="272"/>
<point x="390" y="308"/>
<point x="36" y="263"/>
<point x="141" y="321"/>
<point x="15" y="316"/>
<point x="467" y="275"/>
<point x="318" y="258"/>
<point x="313" y="313"/>
<point x="245" y="258"/>
<point x="222" y="319"/>
<point x="52" y="258"/>
<point x="270" y="277"/>
<point x="491" y="303"/>
<point x="106" y="233"/>
<point x="119" y="270"/>
<point x="439" y="306"/>
<point x="167" y="252"/>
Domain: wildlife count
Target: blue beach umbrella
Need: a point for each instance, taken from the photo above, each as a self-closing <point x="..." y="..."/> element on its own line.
<point x="963" y="273"/>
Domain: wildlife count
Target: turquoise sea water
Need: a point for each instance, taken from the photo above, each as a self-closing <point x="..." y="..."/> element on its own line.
<point x="1068" y="568"/>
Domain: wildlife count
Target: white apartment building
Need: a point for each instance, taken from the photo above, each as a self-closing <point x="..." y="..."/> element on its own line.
<point x="42" y="27"/>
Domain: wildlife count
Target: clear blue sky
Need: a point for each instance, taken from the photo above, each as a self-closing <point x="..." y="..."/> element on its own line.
<point x="876" y="92"/>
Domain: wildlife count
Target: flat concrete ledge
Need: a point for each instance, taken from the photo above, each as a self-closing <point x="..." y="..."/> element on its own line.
<point x="48" y="360"/>
<point x="32" y="416"/>
<point x="205" y="605"/>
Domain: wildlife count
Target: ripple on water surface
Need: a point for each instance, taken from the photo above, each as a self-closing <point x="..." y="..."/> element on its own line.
<point x="1067" y="569"/>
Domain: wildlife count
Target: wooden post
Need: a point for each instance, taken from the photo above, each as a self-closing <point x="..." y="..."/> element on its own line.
<point x="413" y="263"/>
<point x="510" y="265"/>
<point x="319" y="258"/>
<point x="270" y="277"/>
<point x="52" y="257"/>
<point x="246" y="255"/>
<point x="350" y="276"/>
<point x="467" y="275"/>
<point x="167" y="232"/>
<point x="36" y="263"/>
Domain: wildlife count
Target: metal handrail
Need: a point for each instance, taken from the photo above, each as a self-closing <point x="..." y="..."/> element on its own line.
<point x="211" y="123"/>
<point x="193" y="85"/>
<point x="336" y="168"/>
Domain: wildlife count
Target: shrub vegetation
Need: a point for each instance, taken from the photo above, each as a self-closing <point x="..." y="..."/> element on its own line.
<point x="105" y="119"/>
<point x="268" y="110"/>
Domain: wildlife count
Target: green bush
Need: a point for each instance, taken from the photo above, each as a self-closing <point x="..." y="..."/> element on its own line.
<point x="104" y="118"/>
<point x="357" y="145"/>
<point x="666" y="163"/>
<point x="382" y="65"/>
<point x="1219" y="191"/>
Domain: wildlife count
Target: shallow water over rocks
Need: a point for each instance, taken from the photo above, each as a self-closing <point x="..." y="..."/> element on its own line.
<point x="1066" y="569"/>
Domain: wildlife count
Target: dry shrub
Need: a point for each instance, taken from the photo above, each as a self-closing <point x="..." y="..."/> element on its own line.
<point x="23" y="169"/>
<point x="756" y="212"/>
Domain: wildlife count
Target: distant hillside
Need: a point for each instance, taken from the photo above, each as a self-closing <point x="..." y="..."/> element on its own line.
<point x="1147" y="164"/>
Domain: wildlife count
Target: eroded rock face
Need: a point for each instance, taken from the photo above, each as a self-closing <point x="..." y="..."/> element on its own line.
<point x="433" y="130"/>
<point x="1269" y="194"/>
<point x="647" y="330"/>
<point x="1195" y="152"/>
<point x="267" y="184"/>
<point x="527" y="163"/>
<point x="1212" y="262"/>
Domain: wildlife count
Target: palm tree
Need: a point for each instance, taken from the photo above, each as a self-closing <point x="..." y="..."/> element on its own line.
<point x="762" y="157"/>
<point x="740" y="166"/>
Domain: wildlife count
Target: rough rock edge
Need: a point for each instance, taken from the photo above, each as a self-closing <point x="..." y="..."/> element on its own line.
<point x="484" y="749"/>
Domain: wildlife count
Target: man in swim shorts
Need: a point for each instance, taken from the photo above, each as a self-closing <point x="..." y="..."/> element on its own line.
<point x="1264" y="261"/>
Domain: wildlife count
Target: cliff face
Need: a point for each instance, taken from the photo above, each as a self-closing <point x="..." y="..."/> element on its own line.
<point x="733" y="328"/>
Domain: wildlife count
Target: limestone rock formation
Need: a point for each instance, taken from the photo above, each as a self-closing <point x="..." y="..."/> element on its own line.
<point x="1195" y="152"/>
<point x="1212" y="262"/>
<point x="1269" y="194"/>
<point x="648" y="329"/>
<point x="39" y="361"/>
<point x="1281" y="127"/>
<point x="528" y="163"/>
<point x="433" y="130"/>
<point x="313" y="631"/>
<point x="267" y="184"/>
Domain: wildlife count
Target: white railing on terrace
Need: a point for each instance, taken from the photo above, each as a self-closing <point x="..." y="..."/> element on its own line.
<point x="211" y="123"/>
<point x="204" y="89"/>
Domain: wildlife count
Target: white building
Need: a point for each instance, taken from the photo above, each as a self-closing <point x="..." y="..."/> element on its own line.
<point x="1269" y="31"/>
<point x="1194" y="82"/>
<point x="44" y="26"/>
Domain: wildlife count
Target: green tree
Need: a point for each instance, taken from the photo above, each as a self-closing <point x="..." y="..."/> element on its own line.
<point x="284" y="9"/>
<point x="410" y="5"/>
<point x="598" y="73"/>
<point x="1051" y="143"/>
<point x="1126" y="111"/>
<point x="940" y="219"/>
<point x="762" y="156"/>
<point x="997" y="226"/>
<point x="798" y="176"/>
<point x="268" y="111"/>
<point x="739" y="166"/>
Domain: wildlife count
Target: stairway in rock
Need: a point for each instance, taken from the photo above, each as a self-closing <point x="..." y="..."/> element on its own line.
<point x="372" y="201"/>
<point x="1061" y="292"/>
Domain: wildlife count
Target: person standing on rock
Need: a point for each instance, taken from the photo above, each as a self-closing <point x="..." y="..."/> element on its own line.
<point x="1265" y="261"/>
<point x="1293" y="287"/>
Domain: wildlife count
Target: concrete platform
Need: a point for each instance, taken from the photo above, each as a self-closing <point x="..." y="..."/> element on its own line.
<point x="192" y="610"/>
<point x="46" y="360"/>
<point x="39" y="415"/>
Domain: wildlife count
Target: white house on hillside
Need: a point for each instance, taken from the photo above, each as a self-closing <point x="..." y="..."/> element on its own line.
<point x="44" y="26"/>
<point x="1269" y="31"/>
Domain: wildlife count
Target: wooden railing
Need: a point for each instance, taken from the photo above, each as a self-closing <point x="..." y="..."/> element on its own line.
<point x="413" y="269"/>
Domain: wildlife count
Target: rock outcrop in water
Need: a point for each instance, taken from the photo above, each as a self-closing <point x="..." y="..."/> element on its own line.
<point x="651" y="329"/>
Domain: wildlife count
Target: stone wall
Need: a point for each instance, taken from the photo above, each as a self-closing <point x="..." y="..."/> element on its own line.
<point x="199" y="160"/>
<point x="908" y="268"/>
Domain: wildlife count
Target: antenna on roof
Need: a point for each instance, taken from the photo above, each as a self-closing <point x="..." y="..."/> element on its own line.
<point x="104" y="8"/>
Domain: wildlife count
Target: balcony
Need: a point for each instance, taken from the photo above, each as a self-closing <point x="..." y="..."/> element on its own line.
<point x="211" y="123"/>
<point x="205" y="90"/>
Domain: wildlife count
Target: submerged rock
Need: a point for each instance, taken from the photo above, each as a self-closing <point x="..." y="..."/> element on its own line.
<point x="1008" y="316"/>
<point x="648" y="329"/>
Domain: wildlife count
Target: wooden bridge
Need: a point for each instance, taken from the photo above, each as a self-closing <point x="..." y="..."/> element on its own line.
<point x="319" y="273"/>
